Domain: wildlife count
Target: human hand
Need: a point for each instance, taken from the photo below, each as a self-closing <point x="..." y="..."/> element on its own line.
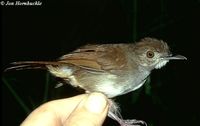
<point x="82" y="110"/>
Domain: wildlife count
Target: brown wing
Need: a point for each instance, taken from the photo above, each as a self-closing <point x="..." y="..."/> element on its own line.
<point x="97" y="57"/>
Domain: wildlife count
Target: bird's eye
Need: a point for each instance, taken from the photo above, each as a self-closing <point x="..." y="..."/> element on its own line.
<point x="150" y="54"/>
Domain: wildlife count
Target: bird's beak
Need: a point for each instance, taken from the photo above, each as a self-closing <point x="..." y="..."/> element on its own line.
<point x="176" y="57"/>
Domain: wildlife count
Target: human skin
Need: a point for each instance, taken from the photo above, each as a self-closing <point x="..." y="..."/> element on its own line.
<point x="82" y="110"/>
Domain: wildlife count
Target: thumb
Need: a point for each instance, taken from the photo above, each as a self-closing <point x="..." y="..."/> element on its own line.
<point x="91" y="111"/>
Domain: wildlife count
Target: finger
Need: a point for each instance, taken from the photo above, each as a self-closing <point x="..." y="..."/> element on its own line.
<point x="54" y="112"/>
<point x="92" y="111"/>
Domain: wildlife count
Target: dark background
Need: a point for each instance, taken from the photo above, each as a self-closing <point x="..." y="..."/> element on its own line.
<point x="170" y="97"/>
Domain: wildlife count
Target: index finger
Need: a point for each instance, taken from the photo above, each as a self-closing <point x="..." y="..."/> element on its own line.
<point x="53" y="113"/>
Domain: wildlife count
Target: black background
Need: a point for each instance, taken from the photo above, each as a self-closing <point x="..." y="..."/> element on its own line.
<point x="57" y="27"/>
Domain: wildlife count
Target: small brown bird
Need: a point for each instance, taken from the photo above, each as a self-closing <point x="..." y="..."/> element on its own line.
<point x="112" y="69"/>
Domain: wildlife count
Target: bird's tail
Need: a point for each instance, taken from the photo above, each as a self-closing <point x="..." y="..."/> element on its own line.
<point x="22" y="65"/>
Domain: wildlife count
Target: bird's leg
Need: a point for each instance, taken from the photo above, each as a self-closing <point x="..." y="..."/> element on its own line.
<point x="114" y="113"/>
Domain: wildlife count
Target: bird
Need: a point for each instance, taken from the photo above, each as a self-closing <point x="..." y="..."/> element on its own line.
<point x="111" y="69"/>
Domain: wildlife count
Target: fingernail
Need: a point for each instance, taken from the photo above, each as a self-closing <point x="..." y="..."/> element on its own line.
<point x="96" y="103"/>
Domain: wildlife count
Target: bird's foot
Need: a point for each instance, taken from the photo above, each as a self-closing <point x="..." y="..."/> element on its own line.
<point x="132" y="122"/>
